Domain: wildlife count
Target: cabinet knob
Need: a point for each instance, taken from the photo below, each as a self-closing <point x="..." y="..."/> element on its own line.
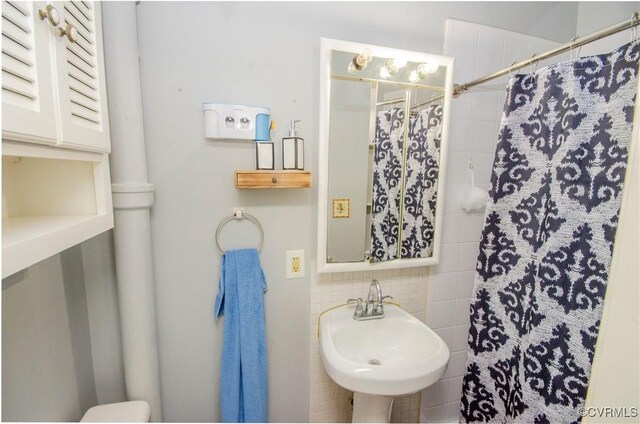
<point x="274" y="180"/>
<point x="70" y="32"/>
<point x="51" y="14"/>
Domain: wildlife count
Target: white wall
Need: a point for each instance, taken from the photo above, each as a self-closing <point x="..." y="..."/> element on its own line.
<point x="615" y="375"/>
<point x="349" y="134"/>
<point x="38" y="376"/>
<point x="260" y="54"/>
<point x="60" y="336"/>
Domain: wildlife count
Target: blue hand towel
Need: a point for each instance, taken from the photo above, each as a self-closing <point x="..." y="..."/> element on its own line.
<point x="243" y="371"/>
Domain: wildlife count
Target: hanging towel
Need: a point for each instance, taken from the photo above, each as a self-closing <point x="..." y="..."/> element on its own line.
<point x="243" y="369"/>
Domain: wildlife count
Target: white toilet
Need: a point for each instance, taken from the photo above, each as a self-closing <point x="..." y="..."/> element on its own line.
<point x="135" y="411"/>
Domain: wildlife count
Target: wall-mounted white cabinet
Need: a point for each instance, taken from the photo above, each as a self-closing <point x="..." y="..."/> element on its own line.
<point x="52" y="199"/>
<point x="55" y="130"/>
<point x="53" y="85"/>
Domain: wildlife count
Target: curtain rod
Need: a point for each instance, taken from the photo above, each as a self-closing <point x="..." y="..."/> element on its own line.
<point x="417" y="105"/>
<point x="574" y="43"/>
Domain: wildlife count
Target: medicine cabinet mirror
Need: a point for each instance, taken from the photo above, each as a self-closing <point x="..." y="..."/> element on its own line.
<point x="384" y="117"/>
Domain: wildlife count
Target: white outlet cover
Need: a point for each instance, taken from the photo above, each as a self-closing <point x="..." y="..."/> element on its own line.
<point x="290" y="255"/>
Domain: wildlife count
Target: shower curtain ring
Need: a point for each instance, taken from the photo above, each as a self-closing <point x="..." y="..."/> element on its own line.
<point x="635" y="20"/>
<point x="531" y="63"/>
<point x="511" y="68"/>
<point x="573" y="40"/>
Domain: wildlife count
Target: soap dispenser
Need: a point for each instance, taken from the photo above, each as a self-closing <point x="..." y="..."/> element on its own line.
<point x="293" y="149"/>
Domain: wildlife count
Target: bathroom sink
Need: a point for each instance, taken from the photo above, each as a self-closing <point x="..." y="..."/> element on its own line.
<point x="391" y="356"/>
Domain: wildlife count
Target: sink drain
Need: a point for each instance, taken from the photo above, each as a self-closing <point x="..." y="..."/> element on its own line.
<point x="374" y="362"/>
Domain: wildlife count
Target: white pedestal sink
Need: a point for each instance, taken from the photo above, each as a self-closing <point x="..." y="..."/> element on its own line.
<point x="381" y="358"/>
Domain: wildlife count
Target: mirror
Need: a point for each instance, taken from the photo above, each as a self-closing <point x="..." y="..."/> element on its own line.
<point x="383" y="132"/>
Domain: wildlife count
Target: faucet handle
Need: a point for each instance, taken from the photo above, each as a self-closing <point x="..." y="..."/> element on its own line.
<point x="359" y="311"/>
<point x="386" y="297"/>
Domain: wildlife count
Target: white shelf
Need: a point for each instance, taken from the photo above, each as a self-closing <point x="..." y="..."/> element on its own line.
<point x="52" y="199"/>
<point x="19" y="230"/>
<point x="30" y="239"/>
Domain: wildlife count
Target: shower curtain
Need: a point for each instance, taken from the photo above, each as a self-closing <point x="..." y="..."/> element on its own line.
<point x="421" y="182"/>
<point x="548" y="239"/>
<point x="387" y="172"/>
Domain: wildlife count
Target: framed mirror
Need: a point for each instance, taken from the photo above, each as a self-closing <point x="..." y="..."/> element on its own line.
<point x="384" y="117"/>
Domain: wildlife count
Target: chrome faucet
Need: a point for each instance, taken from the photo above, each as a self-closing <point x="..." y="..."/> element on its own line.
<point x="373" y="308"/>
<point x="374" y="299"/>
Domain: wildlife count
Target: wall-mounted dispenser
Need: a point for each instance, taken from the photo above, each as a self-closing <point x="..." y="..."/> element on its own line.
<point x="236" y="122"/>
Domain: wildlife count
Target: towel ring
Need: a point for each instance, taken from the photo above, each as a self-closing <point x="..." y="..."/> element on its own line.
<point x="239" y="215"/>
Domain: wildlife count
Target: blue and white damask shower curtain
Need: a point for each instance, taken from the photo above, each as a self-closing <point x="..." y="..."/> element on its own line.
<point x="387" y="174"/>
<point x="421" y="182"/>
<point x="548" y="239"/>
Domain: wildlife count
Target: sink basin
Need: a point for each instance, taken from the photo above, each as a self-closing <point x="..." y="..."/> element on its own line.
<point x="392" y="356"/>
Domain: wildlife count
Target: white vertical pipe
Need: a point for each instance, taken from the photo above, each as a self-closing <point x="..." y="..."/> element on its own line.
<point x="132" y="198"/>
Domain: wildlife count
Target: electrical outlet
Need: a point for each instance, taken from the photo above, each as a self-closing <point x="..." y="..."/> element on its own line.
<point x="295" y="263"/>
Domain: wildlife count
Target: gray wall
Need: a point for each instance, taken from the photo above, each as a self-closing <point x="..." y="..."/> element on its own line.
<point x="257" y="54"/>
<point x="60" y="336"/>
<point x="349" y="122"/>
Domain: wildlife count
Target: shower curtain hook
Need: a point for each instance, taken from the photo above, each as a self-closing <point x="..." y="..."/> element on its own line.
<point x="511" y="68"/>
<point x="531" y="63"/>
<point x="573" y="40"/>
<point x="635" y="20"/>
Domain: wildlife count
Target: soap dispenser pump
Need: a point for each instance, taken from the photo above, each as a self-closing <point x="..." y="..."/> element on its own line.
<point x="293" y="149"/>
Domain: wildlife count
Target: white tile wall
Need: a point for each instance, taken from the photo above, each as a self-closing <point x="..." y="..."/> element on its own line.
<point x="478" y="50"/>
<point x="329" y="402"/>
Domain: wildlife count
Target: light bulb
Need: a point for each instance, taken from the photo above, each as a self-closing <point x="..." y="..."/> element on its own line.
<point x="428" y="68"/>
<point x="414" y="77"/>
<point x="422" y="70"/>
<point x="384" y="72"/>
<point x="391" y="66"/>
<point x="357" y="64"/>
<point x="399" y="63"/>
<point x="367" y="56"/>
<point x="360" y="62"/>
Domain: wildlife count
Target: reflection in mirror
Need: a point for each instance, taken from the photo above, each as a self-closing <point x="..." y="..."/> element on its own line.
<point x="405" y="180"/>
<point x="381" y="138"/>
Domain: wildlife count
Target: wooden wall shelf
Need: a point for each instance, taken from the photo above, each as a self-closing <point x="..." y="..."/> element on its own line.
<point x="272" y="179"/>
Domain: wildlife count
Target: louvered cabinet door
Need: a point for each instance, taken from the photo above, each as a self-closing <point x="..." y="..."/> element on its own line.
<point x="27" y="91"/>
<point x="81" y="79"/>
